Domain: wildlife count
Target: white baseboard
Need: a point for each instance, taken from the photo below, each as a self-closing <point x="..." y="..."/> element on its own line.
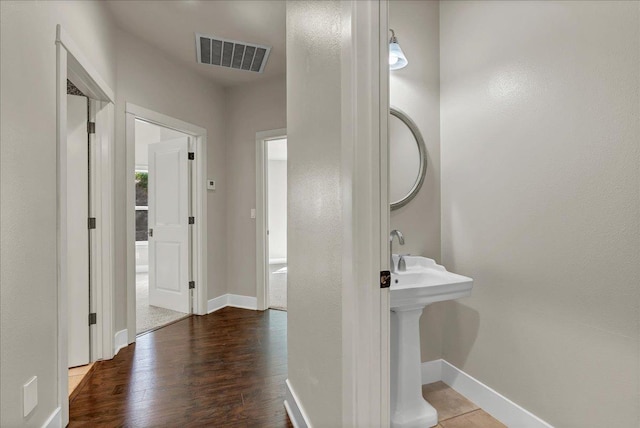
<point x="217" y="303"/>
<point x="491" y="401"/>
<point x="120" y="341"/>
<point x="431" y="371"/>
<point x="55" y="420"/>
<point x="294" y="408"/>
<point x="233" y="300"/>
<point x="244" y="302"/>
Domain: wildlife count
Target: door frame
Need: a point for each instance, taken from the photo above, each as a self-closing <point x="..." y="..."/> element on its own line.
<point x="366" y="213"/>
<point x="73" y="64"/>
<point x="262" y="218"/>
<point x="198" y="207"/>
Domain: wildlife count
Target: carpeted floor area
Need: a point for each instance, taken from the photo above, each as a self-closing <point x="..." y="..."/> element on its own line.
<point x="147" y="316"/>
<point x="278" y="286"/>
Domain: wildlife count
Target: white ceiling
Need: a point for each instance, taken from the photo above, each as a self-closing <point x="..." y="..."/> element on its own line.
<point x="171" y="26"/>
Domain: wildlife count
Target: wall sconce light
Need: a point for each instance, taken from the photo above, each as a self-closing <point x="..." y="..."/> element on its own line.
<point x="397" y="59"/>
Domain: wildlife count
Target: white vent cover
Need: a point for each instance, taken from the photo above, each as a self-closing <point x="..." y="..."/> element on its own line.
<point x="214" y="50"/>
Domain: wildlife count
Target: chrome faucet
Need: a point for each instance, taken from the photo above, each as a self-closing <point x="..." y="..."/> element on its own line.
<point x="397" y="234"/>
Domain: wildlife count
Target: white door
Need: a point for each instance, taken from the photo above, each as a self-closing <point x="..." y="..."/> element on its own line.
<point x="169" y="225"/>
<point x="77" y="230"/>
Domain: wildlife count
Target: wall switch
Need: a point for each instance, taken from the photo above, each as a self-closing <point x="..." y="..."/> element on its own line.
<point x="253" y="213"/>
<point x="30" y="395"/>
<point x="211" y="184"/>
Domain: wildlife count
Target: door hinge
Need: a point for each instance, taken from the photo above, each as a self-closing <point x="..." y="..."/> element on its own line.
<point x="91" y="127"/>
<point x="93" y="318"/>
<point x="385" y="279"/>
<point x="92" y="222"/>
<point x="192" y="220"/>
<point x="192" y="155"/>
<point x="192" y="285"/>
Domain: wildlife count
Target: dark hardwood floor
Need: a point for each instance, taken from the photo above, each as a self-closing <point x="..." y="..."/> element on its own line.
<point x="226" y="369"/>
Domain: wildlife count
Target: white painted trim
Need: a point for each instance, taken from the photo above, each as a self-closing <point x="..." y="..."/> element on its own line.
<point x="431" y="371"/>
<point x="294" y="408"/>
<point x="278" y="261"/>
<point x="120" y="341"/>
<point x="61" y="238"/>
<point x="491" y="401"/>
<point x="262" y="215"/>
<point x="217" y="303"/>
<point x="365" y="307"/>
<point x="164" y="120"/>
<point x="234" y="301"/>
<point x="243" y="302"/>
<point x="54" y="420"/>
<point x="199" y="207"/>
<point x="73" y="64"/>
<point x="86" y="77"/>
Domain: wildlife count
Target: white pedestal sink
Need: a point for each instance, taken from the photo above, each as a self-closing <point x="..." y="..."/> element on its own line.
<point x="422" y="283"/>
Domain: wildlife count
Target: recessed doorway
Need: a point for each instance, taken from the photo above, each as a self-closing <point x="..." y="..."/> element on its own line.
<point x="166" y="191"/>
<point x="277" y="222"/>
<point x="162" y="237"/>
<point x="271" y="219"/>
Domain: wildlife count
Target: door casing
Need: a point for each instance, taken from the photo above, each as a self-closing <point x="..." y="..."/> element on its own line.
<point x="198" y="207"/>
<point x="72" y="64"/>
<point x="262" y="219"/>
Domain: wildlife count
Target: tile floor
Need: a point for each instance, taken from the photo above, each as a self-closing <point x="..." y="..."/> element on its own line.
<point x="455" y="411"/>
<point x="76" y="375"/>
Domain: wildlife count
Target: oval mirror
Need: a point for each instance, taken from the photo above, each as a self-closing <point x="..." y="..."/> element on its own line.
<point x="407" y="159"/>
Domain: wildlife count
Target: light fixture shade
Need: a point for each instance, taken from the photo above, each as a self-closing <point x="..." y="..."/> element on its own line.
<point x="397" y="59"/>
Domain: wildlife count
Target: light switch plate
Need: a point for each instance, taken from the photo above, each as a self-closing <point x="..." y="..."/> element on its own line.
<point x="211" y="185"/>
<point x="30" y="395"/>
<point x="253" y="213"/>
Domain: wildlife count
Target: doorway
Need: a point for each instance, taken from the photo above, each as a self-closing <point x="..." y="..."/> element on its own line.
<point x="166" y="220"/>
<point x="271" y="219"/>
<point x="162" y="255"/>
<point x="276" y="214"/>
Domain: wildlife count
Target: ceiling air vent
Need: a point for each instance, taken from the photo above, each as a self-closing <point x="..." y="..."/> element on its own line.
<point x="214" y="50"/>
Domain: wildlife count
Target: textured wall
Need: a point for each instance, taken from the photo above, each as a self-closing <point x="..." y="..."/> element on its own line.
<point x="315" y="208"/>
<point x="28" y="293"/>
<point x="540" y="202"/>
<point x="415" y="90"/>
<point x="250" y="108"/>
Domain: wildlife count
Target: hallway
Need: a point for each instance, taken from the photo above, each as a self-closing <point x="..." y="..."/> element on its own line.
<point x="227" y="368"/>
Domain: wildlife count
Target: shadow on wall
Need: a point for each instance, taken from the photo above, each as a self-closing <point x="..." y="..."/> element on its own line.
<point x="462" y="324"/>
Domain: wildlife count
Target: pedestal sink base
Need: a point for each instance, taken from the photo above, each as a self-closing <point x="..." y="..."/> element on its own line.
<point x="426" y="416"/>
<point x="408" y="408"/>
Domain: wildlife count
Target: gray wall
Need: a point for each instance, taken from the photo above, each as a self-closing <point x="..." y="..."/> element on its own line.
<point x="415" y="90"/>
<point x="314" y="123"/>
<point x="540" y="203"/>
<point x="146" y="77"/>
<point x="250" y="108"/>
<point x="28" y="293"/>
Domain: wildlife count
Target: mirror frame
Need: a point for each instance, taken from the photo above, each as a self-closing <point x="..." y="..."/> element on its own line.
<point x="422" y="149"/>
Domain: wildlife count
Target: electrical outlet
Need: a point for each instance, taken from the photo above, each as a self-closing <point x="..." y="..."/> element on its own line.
<point x="30" y="395"/>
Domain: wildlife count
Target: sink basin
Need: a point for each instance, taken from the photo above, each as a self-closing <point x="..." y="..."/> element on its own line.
<point x="423" y="282"/>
